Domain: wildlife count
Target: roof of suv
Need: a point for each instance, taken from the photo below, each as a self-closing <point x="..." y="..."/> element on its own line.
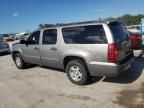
<point x="80" y="24"/>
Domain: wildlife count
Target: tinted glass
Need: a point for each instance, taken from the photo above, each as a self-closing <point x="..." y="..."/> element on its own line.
<point x="50" y="36"/>
<point x="92" y="34"/>
<point x="119" y="32"/>
<point x="34" y="38"/>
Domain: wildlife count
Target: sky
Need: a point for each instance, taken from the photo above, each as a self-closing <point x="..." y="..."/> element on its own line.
<point x="25" y="15"/>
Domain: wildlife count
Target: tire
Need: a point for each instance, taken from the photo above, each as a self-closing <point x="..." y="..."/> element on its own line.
<point x="77" y="72"/>
<point x="141" y="54"/>
<point x="20" y="64"/>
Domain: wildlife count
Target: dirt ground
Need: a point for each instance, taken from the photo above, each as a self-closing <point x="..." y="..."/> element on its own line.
<point x="42" y="87"/>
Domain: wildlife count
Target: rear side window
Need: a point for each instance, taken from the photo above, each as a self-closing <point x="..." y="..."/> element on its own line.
<point x="92" y="34"/>
<point x="119" y="32"/>
<point x="49" y="36"/>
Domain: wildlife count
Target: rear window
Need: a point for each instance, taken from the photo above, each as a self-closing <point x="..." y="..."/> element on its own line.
<point x="92" y="34"/>
<point x="119" y="32"/>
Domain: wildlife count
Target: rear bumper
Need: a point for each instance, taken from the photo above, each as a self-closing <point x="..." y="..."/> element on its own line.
<point x="109" y="69"/>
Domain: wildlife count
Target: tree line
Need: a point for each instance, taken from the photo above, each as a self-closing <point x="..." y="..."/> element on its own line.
<point x="126" y="19"/>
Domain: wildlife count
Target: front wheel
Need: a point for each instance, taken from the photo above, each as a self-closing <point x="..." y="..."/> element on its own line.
<point x="77" y="72"/>
<point x="19" y="61"/>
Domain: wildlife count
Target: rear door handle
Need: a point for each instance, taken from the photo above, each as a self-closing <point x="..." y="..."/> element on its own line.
<point x="54" y="49"/>
<point x="36" y="48"/>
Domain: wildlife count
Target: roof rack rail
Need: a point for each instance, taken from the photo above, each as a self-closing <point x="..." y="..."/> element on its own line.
<point x="74" y="23"/>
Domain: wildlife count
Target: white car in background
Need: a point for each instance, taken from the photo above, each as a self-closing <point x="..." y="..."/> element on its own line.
<point x="4" y="47"/>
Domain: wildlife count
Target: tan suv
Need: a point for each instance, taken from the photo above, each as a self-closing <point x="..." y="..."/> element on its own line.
<point x="82" y="50"/>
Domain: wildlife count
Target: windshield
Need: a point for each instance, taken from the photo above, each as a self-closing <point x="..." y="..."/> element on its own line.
<point x="119" y="32"/>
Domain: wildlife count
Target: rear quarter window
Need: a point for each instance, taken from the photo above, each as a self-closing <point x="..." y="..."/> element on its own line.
<point x="119" y="32"/>
<point x="92" y="34"/>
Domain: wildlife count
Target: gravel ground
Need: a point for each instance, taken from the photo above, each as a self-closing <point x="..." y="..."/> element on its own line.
<point x="41" y="87"/>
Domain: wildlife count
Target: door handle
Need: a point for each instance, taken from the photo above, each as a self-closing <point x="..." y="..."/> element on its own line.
<point x="54" y="49"/>
<point x="36" y="48"/>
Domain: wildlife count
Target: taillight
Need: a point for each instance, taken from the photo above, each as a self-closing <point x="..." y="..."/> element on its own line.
<point x="112" y="53"/>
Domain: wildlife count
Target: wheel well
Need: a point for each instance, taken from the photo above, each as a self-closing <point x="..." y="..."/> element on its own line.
<point x="13" y="53"/>
<point x="69" y="58"/>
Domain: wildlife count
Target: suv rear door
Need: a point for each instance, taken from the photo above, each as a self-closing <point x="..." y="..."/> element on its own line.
<point x="49" y="48"/>
<point x="121" y="38"/>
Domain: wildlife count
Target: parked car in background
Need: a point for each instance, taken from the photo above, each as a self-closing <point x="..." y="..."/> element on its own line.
<point x="82" y="50"/>
<point x="22" y="35"/>
<point x="136" y="40"/>
<point x="17" y="37"/>
<point x="4" y="47"/>
<point x="8" y="38"/>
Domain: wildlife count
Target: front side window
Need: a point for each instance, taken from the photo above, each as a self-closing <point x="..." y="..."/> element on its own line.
<point x="92" y="34"/>
<point x="49" y="36"/>
<point x="34" y="38"/>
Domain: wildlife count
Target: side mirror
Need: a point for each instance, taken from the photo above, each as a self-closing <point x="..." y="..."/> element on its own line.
<point x="22" y="42"/>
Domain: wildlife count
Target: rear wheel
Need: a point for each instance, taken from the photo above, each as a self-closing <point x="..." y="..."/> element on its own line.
<point x="77" y="72"/>
<point x="19" y="61"/>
